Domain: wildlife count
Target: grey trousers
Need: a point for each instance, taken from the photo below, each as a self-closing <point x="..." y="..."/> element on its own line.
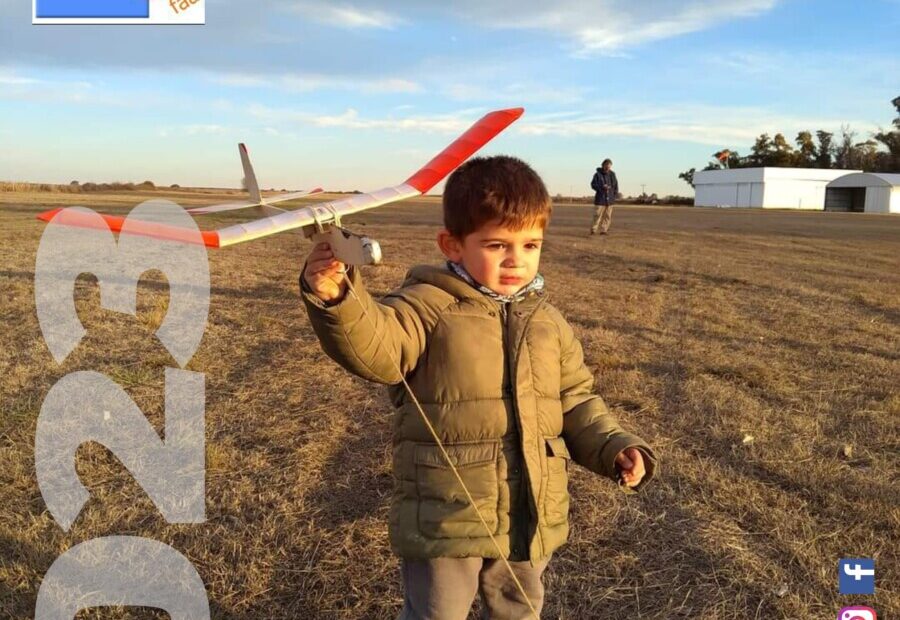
<point x="445" y="588"/>
<point x="602" y="218"/>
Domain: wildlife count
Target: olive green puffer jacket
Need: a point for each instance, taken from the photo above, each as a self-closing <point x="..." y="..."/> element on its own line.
<point x="505" y="387"/>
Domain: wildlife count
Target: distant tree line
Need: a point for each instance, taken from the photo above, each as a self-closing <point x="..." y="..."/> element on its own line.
<point x="75" y="187"/>
<point x="879" y="153"/>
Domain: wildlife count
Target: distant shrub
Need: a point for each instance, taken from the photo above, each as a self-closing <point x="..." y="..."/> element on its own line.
<point x="561" y="199"/>
<point x="174" y="186"/>
<point x="678" y="200"/>
<point x="74" y="187"/>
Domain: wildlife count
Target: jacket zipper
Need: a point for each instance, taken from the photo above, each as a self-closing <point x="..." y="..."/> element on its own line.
<point x="507" y="353"/>
<point x="524" y="483"/>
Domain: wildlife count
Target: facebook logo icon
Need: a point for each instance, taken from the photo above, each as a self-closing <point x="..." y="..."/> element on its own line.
<point x="115" y="12"/>
<point x="92" y="8"/>
<point x="856" y="576"/>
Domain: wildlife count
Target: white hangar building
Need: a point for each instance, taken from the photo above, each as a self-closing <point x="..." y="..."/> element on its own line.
<point x="871" y="192"/>
<point x="767" y="188"/>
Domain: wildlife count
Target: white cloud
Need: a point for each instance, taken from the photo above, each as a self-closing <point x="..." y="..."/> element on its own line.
<point x="350" y="119"/>
<point x="18" y="87"/>
<point x="502" y="80"/>
<point x="806" y="69"/>
<point x="204" y="129"/>
<point x="308" y="82"/>
<point x="391" y="85"/>
<point x="518" y="92"/>
<point x="601" y="26"/>
<point x="466" y="92"/>
<point x="196" y="129"/>
<point x="10" y="79"/>
<point x="734" y="127"/>
<point x="737" y="127"/>
<point x="270" y="30"/>
<point x="346" y="15"/>
<point x="633" y="23"/>
<point x="753" y="63"/>
<point x="240" y="79"/>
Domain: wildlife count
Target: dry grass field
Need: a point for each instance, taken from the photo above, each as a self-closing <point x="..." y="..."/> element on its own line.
<point x="759" y="352"/>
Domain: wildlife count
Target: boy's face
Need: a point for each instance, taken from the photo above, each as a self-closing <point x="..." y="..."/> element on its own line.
<point x="499" y="258"/>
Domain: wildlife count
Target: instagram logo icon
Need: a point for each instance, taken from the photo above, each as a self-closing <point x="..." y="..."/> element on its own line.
<point x="857" y="613"/>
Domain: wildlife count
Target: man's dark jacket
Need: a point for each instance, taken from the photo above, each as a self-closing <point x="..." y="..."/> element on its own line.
<point x="602" y="195"/>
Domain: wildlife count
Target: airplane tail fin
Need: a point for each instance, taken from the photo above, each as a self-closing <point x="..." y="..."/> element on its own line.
<point x="249" y="176"/>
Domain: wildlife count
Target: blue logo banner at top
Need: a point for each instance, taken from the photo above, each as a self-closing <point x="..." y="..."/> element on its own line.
<point x="92" y="8"/>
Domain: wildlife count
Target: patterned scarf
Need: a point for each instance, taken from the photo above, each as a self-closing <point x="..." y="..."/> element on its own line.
<point x="535" y="285"/>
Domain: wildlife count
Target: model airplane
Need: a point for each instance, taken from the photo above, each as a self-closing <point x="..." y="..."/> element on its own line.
<point x="321" y="222"/>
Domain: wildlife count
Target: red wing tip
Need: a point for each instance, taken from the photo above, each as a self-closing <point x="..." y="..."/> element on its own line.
<point x="210" y="238"/>
<point x="115" y="223"/>
<point x="242" y="146"/>
<point x="48" y="215"/>
<point x="517" y="112"/>
<point x="483" y="131"/>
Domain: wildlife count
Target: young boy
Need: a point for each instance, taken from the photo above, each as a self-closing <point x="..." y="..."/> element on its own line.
<point x="501" y="378"/>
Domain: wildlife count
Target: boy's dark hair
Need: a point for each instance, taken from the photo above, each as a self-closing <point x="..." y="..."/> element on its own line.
<point x="495" y="188"/>
<point x="606" y="161"/>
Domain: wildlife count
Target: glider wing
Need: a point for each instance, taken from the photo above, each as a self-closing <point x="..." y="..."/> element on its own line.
<point x="321" y="214"/>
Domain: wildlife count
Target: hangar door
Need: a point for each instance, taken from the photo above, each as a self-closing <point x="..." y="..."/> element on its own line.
<point x="749" y="195"/>
<point x="845" y="199"/>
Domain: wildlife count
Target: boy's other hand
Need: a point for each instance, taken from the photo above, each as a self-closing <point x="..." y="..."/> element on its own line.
<point x="631" y="466"/>
<point x="324" y="274"/>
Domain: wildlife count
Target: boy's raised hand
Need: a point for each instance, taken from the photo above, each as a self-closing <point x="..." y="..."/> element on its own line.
<point x="324" y="274"/>
<point x="631" y="466"/>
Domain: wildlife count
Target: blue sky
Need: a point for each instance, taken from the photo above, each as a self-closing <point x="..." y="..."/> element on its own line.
<point x="358" y="94"/>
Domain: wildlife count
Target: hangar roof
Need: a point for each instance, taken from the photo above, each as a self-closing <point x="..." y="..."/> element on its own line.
<point x="867" y="179"/>
<point x="769" y="173"/>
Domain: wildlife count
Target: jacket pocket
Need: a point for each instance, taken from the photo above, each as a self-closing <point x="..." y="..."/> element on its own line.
<point x="556" y="495"/>
<point x="444" y="511"/>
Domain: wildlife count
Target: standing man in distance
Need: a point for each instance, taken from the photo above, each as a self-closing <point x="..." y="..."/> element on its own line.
<point x="606" y="188"/>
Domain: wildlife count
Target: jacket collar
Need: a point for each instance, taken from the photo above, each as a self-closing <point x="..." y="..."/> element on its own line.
<point x="536" y="285"/>
<point x="443" y="278"/>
